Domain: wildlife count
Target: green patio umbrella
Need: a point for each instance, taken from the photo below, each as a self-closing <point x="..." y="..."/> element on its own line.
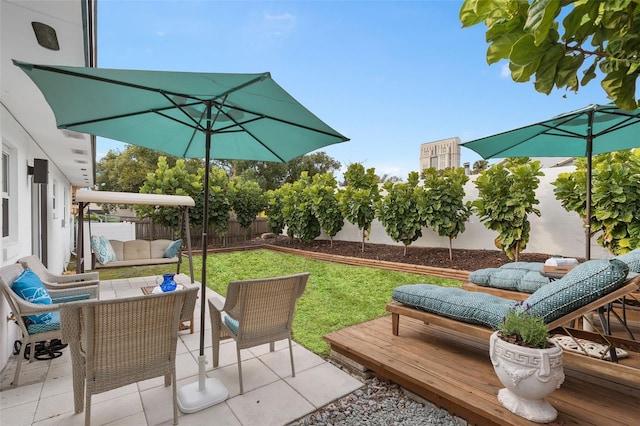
<point x="189" y="115"/>
<point x="595" y="129"/>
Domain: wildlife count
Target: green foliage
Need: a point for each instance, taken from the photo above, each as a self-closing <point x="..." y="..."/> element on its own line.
<point x="219" y="202"/>
<point x="273" y="175"/>
<point x="247" y="200"/>
<point x="357" y="201"/>
<point x="298" y="211"/>
<point x="615" y="199"/>
<point x="506" y="197"/>
<point x="275" y="215"/>
<point x="444" y="209"/>
<point x="592" y="35"/>
<point x="528" y="330"/>
<point x="321" y="196"/>
<point x="169" y="181"/>
<point x="399" y="211"/>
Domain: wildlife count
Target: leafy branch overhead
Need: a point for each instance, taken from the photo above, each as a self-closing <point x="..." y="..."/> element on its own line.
<point x="564" y="43"/>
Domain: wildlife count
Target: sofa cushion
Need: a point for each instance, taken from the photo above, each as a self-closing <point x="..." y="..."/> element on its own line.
<point x="118" y="249"/>
<point x="173" y="248"/>
<point x="452" y="302"/>
<point x="582" y="285"/>
<point x="632" y="259"/>
<point x="30" y="288"/>
<point x="137" y="249"/>
<point x="102" y="249"/>
<point x="158" y="247"/>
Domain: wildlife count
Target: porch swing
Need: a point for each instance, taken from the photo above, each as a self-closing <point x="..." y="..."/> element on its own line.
<point x="86" y="197"/>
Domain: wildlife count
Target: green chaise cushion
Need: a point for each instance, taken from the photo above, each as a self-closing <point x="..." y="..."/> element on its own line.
<point x="582" y="285"/>
<point x="632" y="259"/>
<point x="516" y="276"/>
<point x="452" y="302"/>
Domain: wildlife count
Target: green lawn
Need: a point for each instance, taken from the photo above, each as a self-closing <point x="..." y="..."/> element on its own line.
<point x="336" y="296"/>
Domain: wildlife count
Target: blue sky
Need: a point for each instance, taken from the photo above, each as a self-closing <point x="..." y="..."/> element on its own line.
<point x="390" y="75"/>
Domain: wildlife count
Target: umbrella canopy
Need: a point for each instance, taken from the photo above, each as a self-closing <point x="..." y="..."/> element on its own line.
<point x="190" y="115"/>
<point x="595" y="129"/>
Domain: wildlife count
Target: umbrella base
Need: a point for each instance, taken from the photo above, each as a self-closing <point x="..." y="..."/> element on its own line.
<point x="203" y="393"/>
<point x="192" y="399"/>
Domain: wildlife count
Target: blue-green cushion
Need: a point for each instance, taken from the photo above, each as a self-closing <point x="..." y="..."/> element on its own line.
<point x="452" y="302"/>
<point x="102" y="249"/>
<point x="231" y="323"/>
<point x="481" y="276"/>
<point x="531" y="282"/>
<point x="54" y="324"/>
<point x="525" y="266"/>
<point x="632" y="259"/>
<point x="29" y="287"/>
<point x="172" y="250"/>
<point x="506" y="279"/>
<point x="582" y="285"/>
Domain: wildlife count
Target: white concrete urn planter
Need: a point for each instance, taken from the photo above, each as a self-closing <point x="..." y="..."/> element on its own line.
<point x="529" y="375"/>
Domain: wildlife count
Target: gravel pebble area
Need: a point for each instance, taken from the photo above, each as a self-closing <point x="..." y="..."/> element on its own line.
<point x="378" y="403"/>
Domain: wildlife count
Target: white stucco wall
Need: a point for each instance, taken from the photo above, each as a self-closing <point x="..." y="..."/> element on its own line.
<point x="24" y="149"/>
<point x="556" y="231"/>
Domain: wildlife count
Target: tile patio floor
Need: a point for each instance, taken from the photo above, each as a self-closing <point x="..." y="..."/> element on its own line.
<point x="272" y="396"/>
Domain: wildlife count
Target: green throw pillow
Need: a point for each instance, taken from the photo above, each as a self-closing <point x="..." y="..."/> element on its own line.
<point x="585" y="283"/>
<point x="102" y="249"/>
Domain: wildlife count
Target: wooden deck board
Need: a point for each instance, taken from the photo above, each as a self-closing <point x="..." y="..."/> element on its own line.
<point x="454" y="371"/>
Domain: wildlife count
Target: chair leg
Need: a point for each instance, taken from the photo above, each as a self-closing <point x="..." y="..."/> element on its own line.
<point x="215" y="334"/>
<point x="175" y="398"/>
<point x="87" y="409"/>
<point x="272" y="346"/>
<point x="293" y="370"/>
<point x="239" y="370"/>
<point x="16" y="377"/>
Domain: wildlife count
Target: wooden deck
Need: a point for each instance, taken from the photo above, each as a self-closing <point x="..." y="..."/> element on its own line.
<point x="454" y="371"/>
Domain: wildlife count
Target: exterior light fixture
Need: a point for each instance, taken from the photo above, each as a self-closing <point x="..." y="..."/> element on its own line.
<point x="46" y="35"/>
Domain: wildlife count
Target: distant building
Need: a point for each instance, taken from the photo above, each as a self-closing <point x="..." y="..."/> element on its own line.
<point x="440" y="154"/>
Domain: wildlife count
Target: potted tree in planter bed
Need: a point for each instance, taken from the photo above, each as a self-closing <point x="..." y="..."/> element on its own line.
<point x="528" y="363"/>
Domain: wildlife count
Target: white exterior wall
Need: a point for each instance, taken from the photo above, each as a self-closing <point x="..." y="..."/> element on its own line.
<point x="556" y="231"/>
<point x="23" y="150"/>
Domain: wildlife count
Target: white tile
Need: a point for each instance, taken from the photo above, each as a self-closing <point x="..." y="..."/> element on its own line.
<point x="158" y="404"/>
<point x="274" y="404"/>
<point x="18" y="415"/>
<point x="280" y="361"/>
<point x="19" y="395"/>
<point x="220" y="414"/>
<point x="54" y="406"/>
<point x="115" y="409"/>
<point x="186" y="365"/>
<point x="323" y="384"/>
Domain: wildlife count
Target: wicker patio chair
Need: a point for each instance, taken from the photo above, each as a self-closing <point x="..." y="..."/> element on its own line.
<point x="57" y="282"/>
<point x="122" y="341"/>
<point x="256" y="312"/>
<point x="20" y="308"/>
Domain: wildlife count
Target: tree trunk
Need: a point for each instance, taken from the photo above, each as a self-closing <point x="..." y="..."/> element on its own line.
<point x="363" y="240"/>
<point x="450" y="249"/>
<point x="405" y="250"/>
<point x="517" y="255"/>
<point x="331" y="242"/>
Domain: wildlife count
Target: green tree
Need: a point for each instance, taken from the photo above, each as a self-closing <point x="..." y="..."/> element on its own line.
<point x="298" y="211"/>
<point x="398" y="210"/>
<point x="479" y="166"/>
<point x="615" y="200"/>
<point x="358" y="200"/>
<point x="170" y="181"/>
<point x="507" y="196"/>
<point x="321" y="196"/>
<point x="247" y="199"/>
<point x="276" y="220"/>
<point x="219" y="201"/>
<point x="593" y="35"/>
<point x="444" y="192"/>
<point x="272" y="175"/>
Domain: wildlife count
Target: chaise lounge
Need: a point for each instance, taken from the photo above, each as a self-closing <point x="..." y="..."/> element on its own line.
<point x="586" y="288"/>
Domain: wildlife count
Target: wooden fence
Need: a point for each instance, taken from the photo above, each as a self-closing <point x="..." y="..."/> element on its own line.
<point x="146" y="230"/>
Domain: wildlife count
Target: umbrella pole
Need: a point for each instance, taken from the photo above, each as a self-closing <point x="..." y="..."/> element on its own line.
<point x="587" y="229"/>
<point x="206" y="391"/>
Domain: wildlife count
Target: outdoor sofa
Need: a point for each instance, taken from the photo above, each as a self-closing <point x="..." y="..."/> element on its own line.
<point x="114" y="253"/>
